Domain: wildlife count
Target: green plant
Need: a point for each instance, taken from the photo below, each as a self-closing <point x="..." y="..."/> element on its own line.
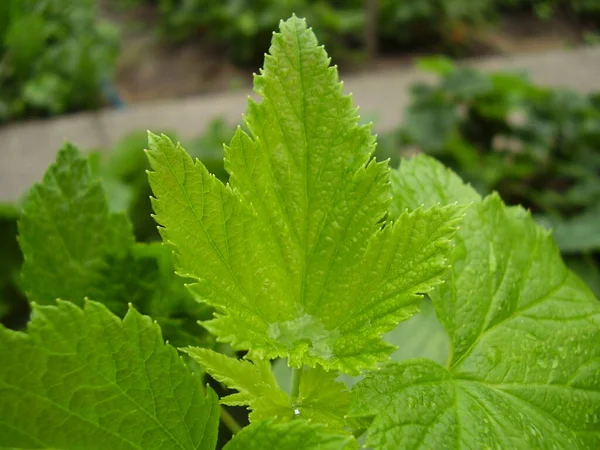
<point x="309" y="254"/>
<point x="54" y="55"/>
<point x="244" y="27"/>
<point x="121" y="170"/>
<point x="536" y="146"/>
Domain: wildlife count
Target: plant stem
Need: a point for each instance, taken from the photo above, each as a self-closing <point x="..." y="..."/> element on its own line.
<point x="296" y="375"/>
<point x="229" y="421"/>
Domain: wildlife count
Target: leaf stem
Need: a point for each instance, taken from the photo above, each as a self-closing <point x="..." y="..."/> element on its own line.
<point x="229" y="421"/>
<point x="296" y="376"/>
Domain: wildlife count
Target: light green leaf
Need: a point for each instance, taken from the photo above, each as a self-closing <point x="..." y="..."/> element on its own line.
<point x="320" y="398"/>
<point x="84" y="379"/>
<point x="421" y="336"/>
<point x="295" y="435"/>
<point x="255" y="382"/>
<point x="525" y="335"/>
<point x="422" y="181"/>
<point x="66" y="234"/>
<point x="294" y="253"/>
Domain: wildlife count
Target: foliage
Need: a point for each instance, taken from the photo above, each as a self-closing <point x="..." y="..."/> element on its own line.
<point x="536" y="146"/>
<point x="310" y="253"/>
<point x="54" y="55"/>
<point x="121" y="171"/>
<point x="98" y="381"/>
<point x="588" y="10"/>
<point x="245" y="27"/>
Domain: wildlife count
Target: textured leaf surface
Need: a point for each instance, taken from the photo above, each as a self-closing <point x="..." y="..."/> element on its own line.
<point x="84" y="379"/>
<point x="293" y="254"/>
<point x="66" y="234"/>
<point x="422" y="181"/>
<point x="321" y="398"/>
<point x="256" y="385"/>
<point x="295" y="435"/>
<point x="75" y="248"/>
<point x="525" y="333"/>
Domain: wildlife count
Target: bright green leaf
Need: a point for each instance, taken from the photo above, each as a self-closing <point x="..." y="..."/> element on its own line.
<point x="525" y="336"/>
<point x="295" y="435"/>
<point x="84" y="379"/>
<point x="293" y="253"/>
<point x="422" y="181"/>
<point x="320" y="398"/>
<point x="255" y="382"/>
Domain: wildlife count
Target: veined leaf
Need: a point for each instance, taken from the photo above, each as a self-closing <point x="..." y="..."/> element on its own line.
<point x="295" y="435"/>
<point x="74" y="248"/>
<point x="66" y="234"/>
<point x="525" y="332"/>
<point x="320" y="398"/>
<point x="255" y="382"/>
<point x="84" y="379"/>
<point x="294" y="253"/>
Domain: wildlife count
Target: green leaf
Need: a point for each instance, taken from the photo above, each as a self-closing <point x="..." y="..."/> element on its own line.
<point x="255" y="382"/>
<point x="320" y="398"/>
<point x="66" y="234"/>
<point x="421" y="336"/>
<point x="84" y="379"/>
<point x="295" y="435"/>
<point x="579" y="233"/>
<point x="422" y="181"/>
<point x="294" y="253"/>
<point x="525" y="335"/>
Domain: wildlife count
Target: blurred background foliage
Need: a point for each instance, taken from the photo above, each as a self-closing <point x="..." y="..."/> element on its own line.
<point x="54" y="57"/>
<point x="59" y="56"/>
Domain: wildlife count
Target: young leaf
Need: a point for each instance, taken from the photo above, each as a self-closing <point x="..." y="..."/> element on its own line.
<point x="320" y="398"/>
<point x="254" y="381"/>
<point x="525" y="333"/>
<point x="422" y="181"/>
<point x="66" y="234"/>
<point x="75" y="248"/>
<point x="294" y="253"/>
<point x="295" y="435"/>
<point x="82" y="378"/>
<point x="421" y="336"/>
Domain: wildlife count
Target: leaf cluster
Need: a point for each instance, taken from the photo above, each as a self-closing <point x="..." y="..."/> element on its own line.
<point x="309" y="255"/>
<point x="536" y="146"/>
